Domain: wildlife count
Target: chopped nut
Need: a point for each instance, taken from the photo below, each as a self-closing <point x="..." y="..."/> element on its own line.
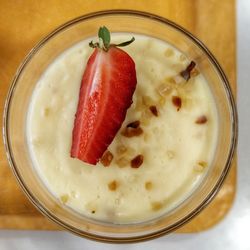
<point x="64" y="198"/>
<point x="186" y="73"/>
<point x="169" y="52"/>
<point x="113" y="185"/>
<point x="195" y="72"/>
<point x="122" y="162"/>
<point x="156" y="205"/>
<point x="201" y="119"/>
<point x="176" y="100"/>
<point x="153" y="110"/>
<point x="121" y="149"/>
<point x="107" y="158"/>
<point x="131" y="132"/>
<point x="164" y="89"/>
<point x="134" y="124"/>
<point x="137" y="161"/>
<point x="170" y="80"/>
<point x="202" y="163"/>
<point x="178" y="79"/>
<point x="148" y="185"/>
<point x="198" y="168"/>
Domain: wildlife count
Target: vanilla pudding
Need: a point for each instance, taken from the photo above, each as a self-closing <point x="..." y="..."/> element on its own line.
<point x="176" y="143"/>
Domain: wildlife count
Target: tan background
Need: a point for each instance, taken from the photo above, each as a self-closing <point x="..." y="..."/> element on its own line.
<point x="24" y="23"/>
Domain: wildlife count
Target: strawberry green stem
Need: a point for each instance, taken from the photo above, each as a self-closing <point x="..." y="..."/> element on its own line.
<point x="104" y="40"/>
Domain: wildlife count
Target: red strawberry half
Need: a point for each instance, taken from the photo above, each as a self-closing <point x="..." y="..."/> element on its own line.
<point x="107" y="87"/>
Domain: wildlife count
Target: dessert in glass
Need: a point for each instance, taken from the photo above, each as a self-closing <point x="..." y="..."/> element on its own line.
<point x="167" y="160"/>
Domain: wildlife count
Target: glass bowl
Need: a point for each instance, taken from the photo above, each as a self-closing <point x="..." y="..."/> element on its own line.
<point x="18" y="100"/>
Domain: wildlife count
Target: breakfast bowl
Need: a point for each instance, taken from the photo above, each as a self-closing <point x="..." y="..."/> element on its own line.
<point x="17" y="118"/>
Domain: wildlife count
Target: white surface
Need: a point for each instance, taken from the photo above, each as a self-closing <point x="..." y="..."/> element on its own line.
<point x="232" y="233"/>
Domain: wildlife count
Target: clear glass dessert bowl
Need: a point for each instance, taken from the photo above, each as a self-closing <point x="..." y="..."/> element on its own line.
<point x="18" y="100"/>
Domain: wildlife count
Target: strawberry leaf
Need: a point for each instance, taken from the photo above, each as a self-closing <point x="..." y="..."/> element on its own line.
<point x="125" y="43"/>
<point x="104" y="34"/>
<point x="104" y="40"/>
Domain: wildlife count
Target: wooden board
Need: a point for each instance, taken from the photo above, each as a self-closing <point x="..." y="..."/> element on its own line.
<point x="23" y="23"/>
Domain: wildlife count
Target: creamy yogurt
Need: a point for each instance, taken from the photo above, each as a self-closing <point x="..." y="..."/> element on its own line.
<point x="176" y="150"/>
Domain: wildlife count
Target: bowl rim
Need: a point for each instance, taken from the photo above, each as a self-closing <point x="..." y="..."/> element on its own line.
<point x="151" y="235"/>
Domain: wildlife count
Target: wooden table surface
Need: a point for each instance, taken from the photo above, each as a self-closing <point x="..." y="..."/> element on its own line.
<point x="23" y="23"/>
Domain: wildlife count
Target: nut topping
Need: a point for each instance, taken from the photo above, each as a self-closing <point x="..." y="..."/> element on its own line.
<point x="137" y="161"/>
<point x="153" y="110"/>
<point x="107" y="158"/>
<point x="195" y="72"/>
<point x="131" y="132"/>
<point x="201" y="119"/>
<point x="164" y="90"/>
<point x="156" y="205"/>
<point x="200" y="167"/>
<point x="176" y="100"/>
<point x="202" y="163"/>
<point x="148" y="185"/>
<point x="134" y="124"/>
<point x="121" y="149"/>
<point x="113" y="185"/>
<point x="122" y="162"/>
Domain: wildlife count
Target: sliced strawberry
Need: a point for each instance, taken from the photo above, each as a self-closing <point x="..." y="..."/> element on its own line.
<point x="106" y="92"/>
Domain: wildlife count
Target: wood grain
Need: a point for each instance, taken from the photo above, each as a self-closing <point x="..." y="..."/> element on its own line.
<point x="23" y="23"/>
